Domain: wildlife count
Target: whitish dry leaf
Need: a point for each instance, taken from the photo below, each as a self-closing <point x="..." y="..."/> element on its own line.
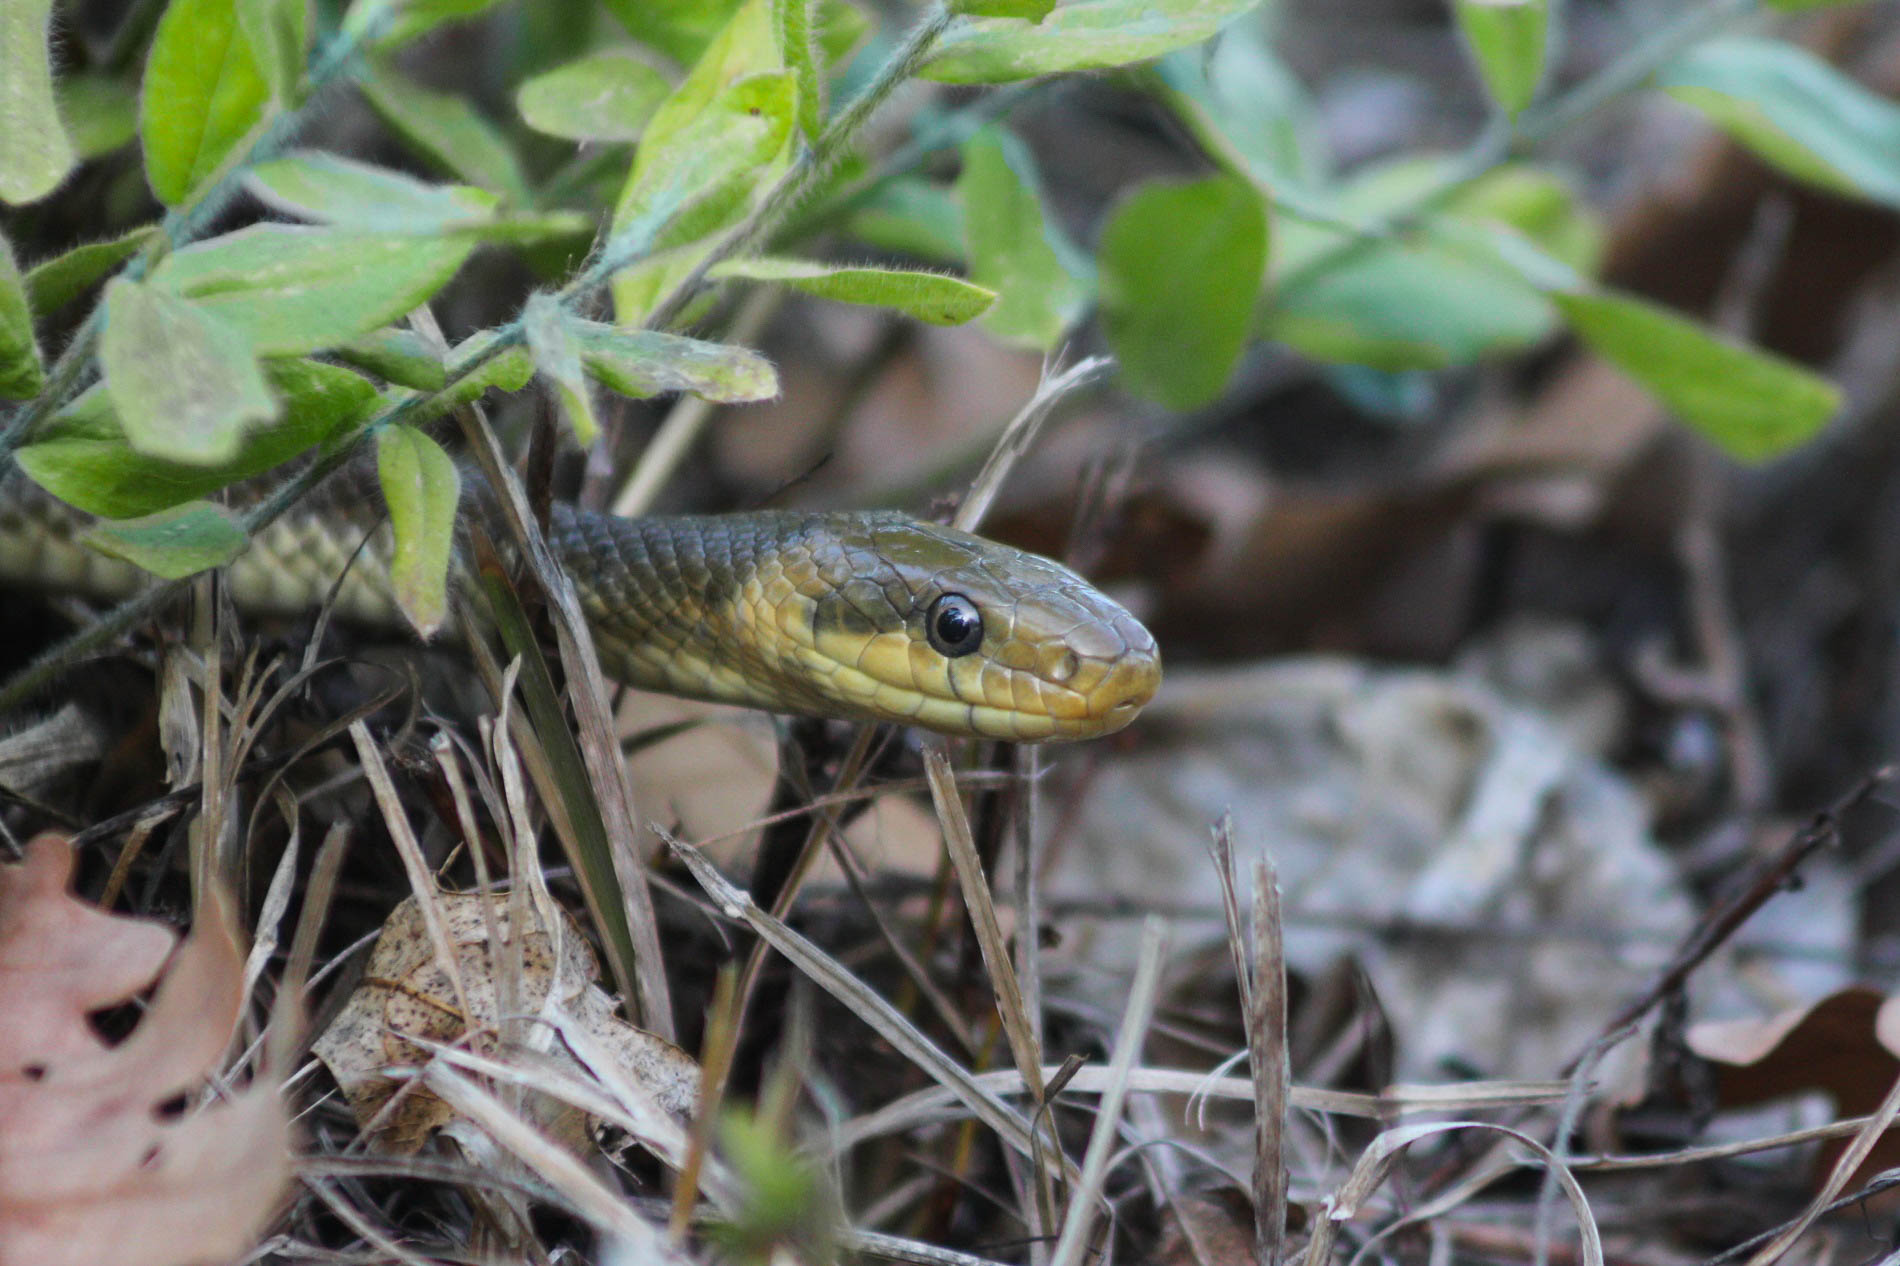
<point x="406" y="995"/>
<point x="95" y="1163"/>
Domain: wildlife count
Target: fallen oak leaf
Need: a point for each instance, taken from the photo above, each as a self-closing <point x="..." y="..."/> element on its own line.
<point x="95" y="1166"/>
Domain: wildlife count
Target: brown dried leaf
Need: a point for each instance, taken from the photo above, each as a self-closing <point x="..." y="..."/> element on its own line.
<point x="93" y="1165"/>
<point x="405" y="996"/>
<point x="1846" y="1045"/>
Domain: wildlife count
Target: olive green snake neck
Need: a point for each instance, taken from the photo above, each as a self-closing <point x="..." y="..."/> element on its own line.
<point x="866" y="615"/>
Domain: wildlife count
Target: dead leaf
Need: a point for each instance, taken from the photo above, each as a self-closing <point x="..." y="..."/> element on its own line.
<point x="1847" y="1045"/>
<point x="95" y="1166"/>
<point x="407" y="999"/>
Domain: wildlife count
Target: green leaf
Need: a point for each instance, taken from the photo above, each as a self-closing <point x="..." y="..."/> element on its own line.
<point x="101" y="113"/>
<point x="1796" y="112"/>
<point x="416" y="17"/>
<point x="293" y="289"/>
<point x="605" y="96"/>
<point x="1086" y="35"/>
<point x="911" y="216"/>
<point x="1011" y="244"/>
<point x="930" y="297"/>
<point x="509" y="369"/>
<point x="20" y="374"/>
<point x="1032" y="10"/>
<point x="710" y="144"/>
<point x="422" y="488"/>
<point x="1247" y="109"/>
<point x="558" y="360"/>
<point x="794" y="26"/>
<point x="34" y="153"/>
<point x="185" y="385"/>
<point x="399" y="356"/>
<point x="681" y="29"/>
<point x="641" y="363"/>
<point x="1180" y="268"/>
<point x="1507" y="39"/>
<point x="842" y="26"/>
<point x="83" y="457"/>
<point x="331" y="189"/>
<point x="201" y="94"/>
<point x="58" y="281"/>
<point x="279" y="33"/>
<point x="445" y="130"/>
<point x="1753" y="404"/>
<point x="174" y="543"/>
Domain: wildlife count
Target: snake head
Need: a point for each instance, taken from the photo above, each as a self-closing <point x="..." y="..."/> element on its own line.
<point x="869" y="616"/>
<point x="926" y="625"/>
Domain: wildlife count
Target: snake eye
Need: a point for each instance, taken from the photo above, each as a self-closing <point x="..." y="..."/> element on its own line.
<point x="954" y="625"/>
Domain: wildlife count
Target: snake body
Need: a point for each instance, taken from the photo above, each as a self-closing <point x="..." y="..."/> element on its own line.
<point x="866" y="615"/>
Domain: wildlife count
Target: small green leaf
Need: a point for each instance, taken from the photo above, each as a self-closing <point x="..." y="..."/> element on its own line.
<point x="1247" y="109"/>
<point x="605" y="96"/>
<point x="641" y="363"/>
<point x="331" y="189"/>
<point x="509" y="369"/>
<point x="82" y="455"/>
<point x="1753" y="404"/>
<point x="930" y="297"/>
<point x="417" y="17"/>
<point x="422" y="488"/>
<point x="20" y="374"/>
<point x="279" y="32"/>
<point x="34" y="153"/>
<point x="1180" y="268"/>
<point x="399" y="356"/>
<point x="558" y="360"/>
<point x="293" y="290"/>
<point x="1796" y="112"/>
<point x="1011" y="244"/>
<point x="185" y="385"/>
<point x="58" y="281"/>
<point x="1507" y="39"/>
<point x="681" y="29"/>
<point x="794" y="26"/>
<point x="1033" y="10"/>
<point x="101" y="113"/>
<point x="445" y="130"/>
<point x="174" y="543"/>
<point x="1086" y="35"/>
<point x="201" y="94"/>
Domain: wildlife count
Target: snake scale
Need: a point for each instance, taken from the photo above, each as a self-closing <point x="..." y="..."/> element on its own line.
<point x="866" y="615"/>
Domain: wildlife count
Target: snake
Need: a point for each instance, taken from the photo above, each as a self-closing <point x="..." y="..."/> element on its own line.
<point x="867" y="615"/>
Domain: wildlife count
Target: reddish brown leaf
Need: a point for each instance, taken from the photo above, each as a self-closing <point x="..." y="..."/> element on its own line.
<point x="95" y="1166"/>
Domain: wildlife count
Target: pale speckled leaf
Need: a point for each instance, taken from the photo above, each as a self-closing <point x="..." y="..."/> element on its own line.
<point x="174" y="543"/>
<point x="642" y="363"/>
<point x="406" y="998"/>
<point x="186" y="386"/>
<point x="201" y="93"/>
<point x="34" y="152"/>
<point x="422" y="489"/>
<point x="293" y="289"/>
<point x="930" y="297"/>
<point x="604" y="96"/>
<point x="20" y="374"/>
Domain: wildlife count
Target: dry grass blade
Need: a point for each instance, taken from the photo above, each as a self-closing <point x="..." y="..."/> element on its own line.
<point x="1272" y="1070"/>
<point x="1020" y="434"/>
<point x="1376" y="1162"/>
<point x="1844" y="1169"/>
<point x="863" y="1001"/>
<point x="1080" y="1218"/>
<point x="982" y="907"/>
<point x="94" y="1167"/>
<point x="586" y="1194"/>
